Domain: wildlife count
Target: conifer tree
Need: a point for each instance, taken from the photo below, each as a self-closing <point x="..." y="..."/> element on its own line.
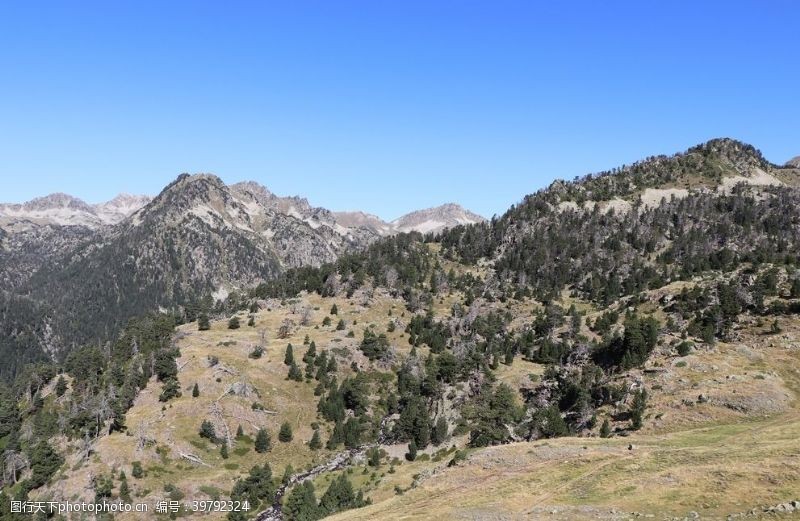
<point x="124" y="489"/>
<point x="374" y="457"/>
<point x="301" y="505"/>
<point x="203" y="323"/>
<point x="195" y="391"/>
<point x="637" y="409"/>
<point x="207" y="431"/>
<point x="337" y="436"/>
<point x="285" y="434"/>
<point x="338" y="497"/>
<point x="288" y="472"/>
<point x="411" y="455"/>
<point x="439" y="433"/>
<point x="263" y="442"/>
<point x="288" y="358"/>
<point x="605" y="429"/>
<point x="61" y="386"/>
<point x="315" y="443"/>
<point x="295" y="373"/>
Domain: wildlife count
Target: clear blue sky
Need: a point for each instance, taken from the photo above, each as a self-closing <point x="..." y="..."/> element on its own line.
<point x="383" y="106"/>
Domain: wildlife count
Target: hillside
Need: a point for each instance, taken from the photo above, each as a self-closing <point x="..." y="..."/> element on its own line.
<point x="623" y="345"/>
<point x="721" y="401"/>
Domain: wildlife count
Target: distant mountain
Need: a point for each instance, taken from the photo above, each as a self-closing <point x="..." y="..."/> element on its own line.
<point x="61" y="209"/>
<point x="794" y="162"/>
<point x="120" y="207"/>
<point x="65" y="210"/>
<point x="436" y="219"/>
<point x="87" y="269"/>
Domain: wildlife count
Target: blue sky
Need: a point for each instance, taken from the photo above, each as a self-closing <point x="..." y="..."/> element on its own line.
<point x="382" y="106"/>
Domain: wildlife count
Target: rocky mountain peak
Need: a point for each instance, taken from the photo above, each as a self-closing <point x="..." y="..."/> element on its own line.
<point x="436" y="219"/>
<point x="794" y="162"/>
<point x="204" y="196"/>
<point x="254" y="189"/>
<point x="56" y="201"/>
<point x="127" y="200"/>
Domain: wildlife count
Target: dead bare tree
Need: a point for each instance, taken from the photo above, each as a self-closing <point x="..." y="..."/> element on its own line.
<point x="216" y="412"/>
<point x="194" y="459"/>
<point x="14" y="463"/>
<point x="286" y="328"/>
<point x="305" y="316"/>
<point x="86" y="447"/>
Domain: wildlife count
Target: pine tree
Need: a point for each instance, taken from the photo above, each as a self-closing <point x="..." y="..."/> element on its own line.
<point x="311" y="353"/>
<point x="374" y="457"/>
<point x="301" y="505"/>
<point x="338" y="497"/>
<point x="637" y="409"/>
<point x="288" y="472"/>
<point x="207" y="431"/>
<point x="44" y="462"/>
<point x="285" y="434"/>
<point x="439" y="433"/>
<point x="233" y="323"/>
<point x="411" y="455"/>
<point x="295" y="373"/>
<point x="61" y="386"/>
<point x="136" y="470"/>
<point x="170" y="390"/>
<point x="288" y="358"/>
<point x="605" y="429"/>
<point x="263" y="441"/>
<point x="334" y="310"/>
<point x="203" y="323"/>
<point x="315" y="443"/>
<point x="340" y="326"/>
<point x="195" y="391"/>
<point x="223" y="450"/>
<point x="252" y="321"/>
<point x="352" y="433"/>
<point x="337" y="436"/>
<point x="124" y="489"/>
<point x="239" y="432"/>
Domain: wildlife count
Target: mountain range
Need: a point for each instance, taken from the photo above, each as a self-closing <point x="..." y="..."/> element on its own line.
<point x="60" y="209"/>
<point x="87" y="268"/>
